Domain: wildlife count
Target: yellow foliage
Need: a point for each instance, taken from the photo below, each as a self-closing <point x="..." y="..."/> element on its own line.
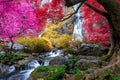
<point x="36" y="44"/>
<point x="51" y="33"/>
<point x="76" y="44"/>
<point x="40" y="79"/>
<point x="58" y="40"/>
<point x="64" y="41"/>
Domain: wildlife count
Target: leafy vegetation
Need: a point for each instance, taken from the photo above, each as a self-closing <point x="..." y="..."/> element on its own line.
<point x="75" y="71"/>
<point x="36" y="44"/>
<point x="57" y="39"/>
<point x="96" y="27"/>
<point x="64" y="41"/>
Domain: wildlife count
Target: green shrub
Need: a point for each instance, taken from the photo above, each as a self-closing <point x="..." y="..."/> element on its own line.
<point x="36" y="45"/>
<point x="48" y="72"/>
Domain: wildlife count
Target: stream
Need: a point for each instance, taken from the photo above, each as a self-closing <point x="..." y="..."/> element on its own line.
<point x="25" y="72"/>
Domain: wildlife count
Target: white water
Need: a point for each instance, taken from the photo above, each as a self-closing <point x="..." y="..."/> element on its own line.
<point x="51" y="55"/>
<point x="11" y="69"/>
<point x="77" y="32"/>
<point x="24" y="75"/>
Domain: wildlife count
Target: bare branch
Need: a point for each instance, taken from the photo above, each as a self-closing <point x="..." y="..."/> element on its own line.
<point x="73" y="2"/>
<point x="70" y="15"/>
<point x="103" y="13"/>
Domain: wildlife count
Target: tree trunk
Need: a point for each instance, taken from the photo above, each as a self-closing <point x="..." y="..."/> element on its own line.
<point x="113" y="8"/>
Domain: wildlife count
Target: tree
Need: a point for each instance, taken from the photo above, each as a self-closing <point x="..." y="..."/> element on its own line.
<point x="112" y="14"/>
<point x="17" y="18"/>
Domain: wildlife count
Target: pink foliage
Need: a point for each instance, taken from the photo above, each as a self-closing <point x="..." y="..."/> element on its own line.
<point x="26" y="17"/>
<point x="96" y="27"/>
<point x="17" y="18"/>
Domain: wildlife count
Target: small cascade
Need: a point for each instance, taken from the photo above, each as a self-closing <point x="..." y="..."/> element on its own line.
<point x="24" y="72"/>
<point x="55" y="53"/>
<point x="77" y="32"/>
<point x="51" y="55"/>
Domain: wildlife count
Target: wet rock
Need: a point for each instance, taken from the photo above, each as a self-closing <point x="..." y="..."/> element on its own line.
<point x="87" y="62"/>
<point x="35" y="54"/>
<point x="59" y="60"/>
<point x="3" y="69"/>
<point x="92" y="49"/>
<point x="22" y="64"/>
<point x="40" y="58"/>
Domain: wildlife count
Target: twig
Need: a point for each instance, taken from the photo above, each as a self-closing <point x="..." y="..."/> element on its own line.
<point x="70" y="15"/>
<point x="103" y="13"/>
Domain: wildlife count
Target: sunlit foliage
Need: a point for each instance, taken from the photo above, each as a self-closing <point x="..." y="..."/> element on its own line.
<point x="57" y="39"/>
<point x="36" y="44"/>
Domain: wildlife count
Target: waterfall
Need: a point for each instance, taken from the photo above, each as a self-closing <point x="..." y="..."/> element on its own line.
<point x="77" y="32"/>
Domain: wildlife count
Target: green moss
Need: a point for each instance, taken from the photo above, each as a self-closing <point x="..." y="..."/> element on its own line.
<point x="80" y="76"/>
<point x="115" y="77"/>
<point x="48" y="72"/>
<point x="75" y="71"/>
<point x="9" y="58"/>
<point x="72" y="60"/>
<point x="99" y="54"/>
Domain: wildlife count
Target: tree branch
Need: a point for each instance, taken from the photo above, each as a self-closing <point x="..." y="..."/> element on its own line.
<point x="70" y="15"/>
<point x="73" y="2"/>
<point x="103" y="13"/>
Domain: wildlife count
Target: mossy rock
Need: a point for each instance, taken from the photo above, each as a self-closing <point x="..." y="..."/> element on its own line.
<point x="100" y="75"/>
<point x="80" y="76"/>
<point x="48" y="73"/>
<point x="88" y="62"/>
<point x="10" y="58"/>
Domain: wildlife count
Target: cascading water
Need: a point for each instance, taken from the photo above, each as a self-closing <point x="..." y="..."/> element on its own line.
<point x="77" y="32"/>
<point x="25" y="72"/>
<point x="51" y="55"/>
<point x="21" y="75"/>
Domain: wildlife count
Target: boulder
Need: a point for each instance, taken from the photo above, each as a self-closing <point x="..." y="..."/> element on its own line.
<point x="3" y="69"/>
<point x="48" y="73"/>
<point x="59" y="60"/>
<point x="92" y="50"/>
<point x="88" y="62"/>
